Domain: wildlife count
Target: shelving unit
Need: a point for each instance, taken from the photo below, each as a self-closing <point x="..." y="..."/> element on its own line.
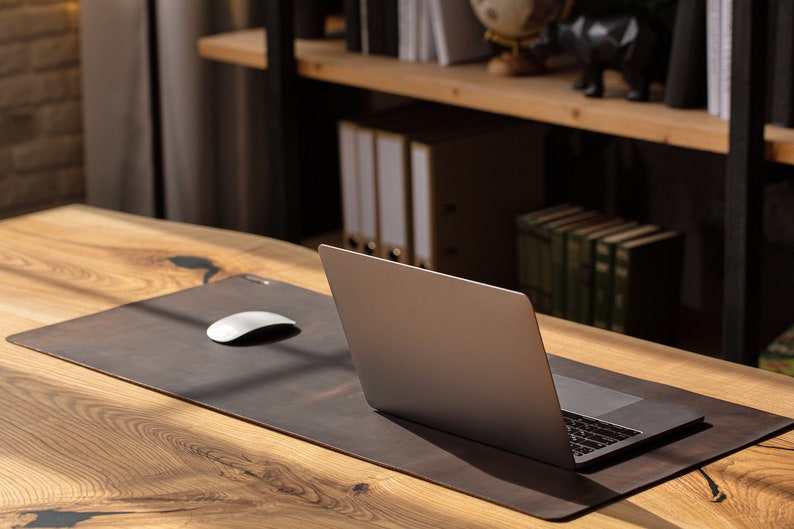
<point x="547" y="98"/>
<point x="550" y="99"/>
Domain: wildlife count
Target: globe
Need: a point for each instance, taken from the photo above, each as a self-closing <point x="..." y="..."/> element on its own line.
<point x="514" y="25"/>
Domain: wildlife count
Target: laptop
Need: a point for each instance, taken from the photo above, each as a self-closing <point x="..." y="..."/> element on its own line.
<point x="467" y="358"/>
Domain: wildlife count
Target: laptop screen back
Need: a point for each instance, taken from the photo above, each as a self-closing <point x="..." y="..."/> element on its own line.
<point x="449" y="353"/>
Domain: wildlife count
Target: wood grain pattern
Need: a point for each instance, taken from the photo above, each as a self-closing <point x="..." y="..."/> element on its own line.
<point x="78" y="446"/>
<point x="547" y="98"/>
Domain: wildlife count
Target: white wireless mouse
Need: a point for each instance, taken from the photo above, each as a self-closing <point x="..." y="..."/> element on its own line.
<point x="237" y="325"/>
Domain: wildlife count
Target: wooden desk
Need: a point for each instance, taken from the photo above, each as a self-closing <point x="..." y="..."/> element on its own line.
<point x="76" y="441"/>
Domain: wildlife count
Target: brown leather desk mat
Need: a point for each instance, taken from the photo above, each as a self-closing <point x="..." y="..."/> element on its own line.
<point x="306" y="385"/>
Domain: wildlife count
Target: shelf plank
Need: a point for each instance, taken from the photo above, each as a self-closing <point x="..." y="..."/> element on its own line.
<point x="243" y="48"/>
<point x="547" y="98"/>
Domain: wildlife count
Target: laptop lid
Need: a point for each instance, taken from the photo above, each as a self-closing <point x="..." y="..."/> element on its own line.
<point x="456" y="355"/>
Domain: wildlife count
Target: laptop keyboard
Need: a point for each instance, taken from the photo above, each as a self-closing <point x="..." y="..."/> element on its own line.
<point x="588" y="435"/>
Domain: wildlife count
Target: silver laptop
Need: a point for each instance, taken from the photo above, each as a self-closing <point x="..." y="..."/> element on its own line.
<point x="468" y="358"/>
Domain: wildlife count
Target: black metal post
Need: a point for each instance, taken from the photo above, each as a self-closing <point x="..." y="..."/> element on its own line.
<point x="282" y="119"/>
<point x="155" y="112"/>
<point x="744" y="182"/>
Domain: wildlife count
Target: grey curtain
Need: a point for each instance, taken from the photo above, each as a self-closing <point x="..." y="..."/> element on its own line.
<point x="211" y="116"/>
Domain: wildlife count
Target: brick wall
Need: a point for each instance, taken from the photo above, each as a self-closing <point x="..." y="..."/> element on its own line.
<point x="41" y="150"/>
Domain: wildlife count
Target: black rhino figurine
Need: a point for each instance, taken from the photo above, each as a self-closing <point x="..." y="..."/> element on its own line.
<point x="636" y="47"/>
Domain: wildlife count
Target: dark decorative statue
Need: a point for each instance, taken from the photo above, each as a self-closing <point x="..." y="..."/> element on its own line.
<point x="630" y="44"/>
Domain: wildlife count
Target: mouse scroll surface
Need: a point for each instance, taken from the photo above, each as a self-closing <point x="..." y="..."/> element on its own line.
<point x="242" y="324"/>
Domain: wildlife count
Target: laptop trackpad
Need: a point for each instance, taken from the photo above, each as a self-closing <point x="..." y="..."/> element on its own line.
<point x="588" y="399"/>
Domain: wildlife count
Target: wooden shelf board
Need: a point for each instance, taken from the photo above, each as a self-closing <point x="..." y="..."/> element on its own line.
<point x="547" y="98"/>
<point x="243" y="48"/>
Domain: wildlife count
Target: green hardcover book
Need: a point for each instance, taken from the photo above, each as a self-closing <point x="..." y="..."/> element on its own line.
<point x="779" y="354"/>
<point x="587" y="265"/>
<point x="647" y="286"/>
<point x="550" y="266"/>
<point x="603" y="266"/>
<point x="559" y="261"/>
<point x="529" y="248"/>
<point x="524" y="225"/>
<point x="574" y="243"/>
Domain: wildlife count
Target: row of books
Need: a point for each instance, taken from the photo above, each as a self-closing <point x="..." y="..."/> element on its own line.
<point x="439" y="187"/>
<point x="446" y="31"/>
<point x="585" y="266"/>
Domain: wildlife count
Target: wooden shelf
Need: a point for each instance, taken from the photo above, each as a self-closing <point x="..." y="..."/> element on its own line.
<point x="548" y="98"/>
<point x="243" y="48"/>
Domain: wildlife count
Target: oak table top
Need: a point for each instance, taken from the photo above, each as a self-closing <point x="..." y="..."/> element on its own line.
<point x="82" y="449"/>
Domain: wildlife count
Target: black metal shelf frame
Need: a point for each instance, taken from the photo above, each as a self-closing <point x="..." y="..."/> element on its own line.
<point x="744" y="181"/>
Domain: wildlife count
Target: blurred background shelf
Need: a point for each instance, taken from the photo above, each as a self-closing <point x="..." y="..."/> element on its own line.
<point x="546" y="98"/>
